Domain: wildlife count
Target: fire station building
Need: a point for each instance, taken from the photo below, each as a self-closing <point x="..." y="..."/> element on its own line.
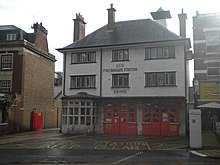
<point x="126" y="78"/>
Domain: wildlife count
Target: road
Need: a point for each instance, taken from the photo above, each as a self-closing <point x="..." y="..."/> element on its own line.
<point x="51" y="147"/>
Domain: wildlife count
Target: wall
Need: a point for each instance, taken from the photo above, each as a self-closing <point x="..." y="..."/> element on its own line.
<point x="38" y="88"/>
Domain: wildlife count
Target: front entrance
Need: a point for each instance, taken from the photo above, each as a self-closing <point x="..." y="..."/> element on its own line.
<point x="160" y="119"/>
<point x="120" y="119"/>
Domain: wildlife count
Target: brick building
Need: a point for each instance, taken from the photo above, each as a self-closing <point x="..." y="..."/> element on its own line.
<point x="27" y="71"/>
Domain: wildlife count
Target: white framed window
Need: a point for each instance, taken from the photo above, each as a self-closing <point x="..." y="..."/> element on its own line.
<point x="120" y="80"/>
<point x="83" y="57"/>
<point x="120" y="55"/>
<point x="79" y="82"/>
<point x="5" y="86"/>
<point x="11" y="36"/>
<point x="212" y="40"/>
<point x="160" y="53"/>
<point x="154" y="79"/>
<point x="6" y="61"/>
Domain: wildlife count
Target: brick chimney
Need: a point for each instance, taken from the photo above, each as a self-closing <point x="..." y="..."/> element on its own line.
<point x="160" y="16"/>
<point x="111" y="18"/>
<point x="182" y="21"/>
<point x="40" y="37"/>
<point x="79" y="28"/>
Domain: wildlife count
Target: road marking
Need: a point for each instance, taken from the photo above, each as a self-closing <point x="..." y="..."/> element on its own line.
<point x="129" y="157"/>
<point x="148" y="146"/>
<point x="198" y="154"/>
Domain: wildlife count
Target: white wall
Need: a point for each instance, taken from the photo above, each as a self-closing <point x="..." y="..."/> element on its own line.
<point x="137" y="77"/>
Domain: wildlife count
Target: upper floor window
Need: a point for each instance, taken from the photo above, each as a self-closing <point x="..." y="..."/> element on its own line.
<point x="79" y="82"/>
<point x="5" y="86"/>
<point x="83" y="57"/>
<point x="120" y="55"/>
<point x="120" y="80"/>
<point x="11" y="36"/>
<point x="160" y="53"/>
<point x="6" y="62"/>
<point x="160" y="79"/>
<point x="212" y="40"/>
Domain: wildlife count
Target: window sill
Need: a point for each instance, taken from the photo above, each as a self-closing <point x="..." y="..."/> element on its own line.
<point x="160" y="86"/>
<point x="82" y="88"/>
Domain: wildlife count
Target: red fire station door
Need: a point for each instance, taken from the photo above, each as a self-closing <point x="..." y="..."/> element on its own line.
<point x="119" y="119"/>
<point x="160" y="120"/>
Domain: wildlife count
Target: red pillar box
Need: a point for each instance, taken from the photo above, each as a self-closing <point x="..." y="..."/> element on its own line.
<point x="37" y="121"/>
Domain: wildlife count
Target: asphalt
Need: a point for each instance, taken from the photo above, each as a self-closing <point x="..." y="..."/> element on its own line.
<point x="210" y="143"/>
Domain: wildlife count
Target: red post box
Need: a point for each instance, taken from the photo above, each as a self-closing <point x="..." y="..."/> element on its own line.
<point x="37" y="121"/>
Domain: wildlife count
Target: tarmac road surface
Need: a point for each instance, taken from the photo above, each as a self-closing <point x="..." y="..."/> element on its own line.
<point x="52" y="147"/>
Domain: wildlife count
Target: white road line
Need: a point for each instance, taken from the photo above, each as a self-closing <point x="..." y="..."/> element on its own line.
<point x="198" y="154"/>
<point x="129" y="157"/>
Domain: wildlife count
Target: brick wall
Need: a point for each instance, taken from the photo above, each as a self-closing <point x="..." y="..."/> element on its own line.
<point x="38" y="89"/>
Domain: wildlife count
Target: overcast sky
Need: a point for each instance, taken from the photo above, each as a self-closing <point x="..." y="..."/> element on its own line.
<point x="57" y="15"/>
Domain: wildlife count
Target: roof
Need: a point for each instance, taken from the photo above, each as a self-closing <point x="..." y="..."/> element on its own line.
<point x="57" y="91"/>
<point x="8" y="27"/>
<point x="213" y="105"/>
<point x="126" y="32"/>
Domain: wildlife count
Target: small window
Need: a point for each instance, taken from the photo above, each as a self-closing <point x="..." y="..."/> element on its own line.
<point x="160" y="79"/>
<point x="120" y="55"/>
<point x="83" y="57"/>
<point x="11" y="37"/>
<point x="6" y="62"/>
<point x="212" y="40"/>
<point x="79" y="82"/>
<point x="160" y="53"/>
<point x="5" y="86"/>
<point x="120" y="80"/>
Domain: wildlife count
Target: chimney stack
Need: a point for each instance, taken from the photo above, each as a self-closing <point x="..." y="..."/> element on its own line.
<point x="182" y="19"/>
<point x="160" y="16"/>
<point x="79" y="28"/>
<point x="40" y="41"/>
<point x="111" y="18"/>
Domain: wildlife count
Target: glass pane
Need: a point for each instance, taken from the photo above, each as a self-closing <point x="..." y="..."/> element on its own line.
<point x="76" y="118"/>
<point x="82" y="111"/>
<point x="154" y="53"/>
<point x="126" y="57"/>
<point x="70" y="111"/>
<point x="76" y="111"/>
<point x="88" y="111"/>
<point x="159" y="52"/>
<point x="82" y="120"/>
<point x="88" y="120"/>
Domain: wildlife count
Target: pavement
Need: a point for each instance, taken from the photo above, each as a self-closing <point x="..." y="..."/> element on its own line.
<point x="210" y="145"/>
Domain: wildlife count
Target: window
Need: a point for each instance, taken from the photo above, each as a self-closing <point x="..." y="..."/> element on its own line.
<point x="79" y="82"/>
<point x="160" y="53"/>
<point x="6" y="62"/>
<point x="11" y="37"/>
<point x="5" y="86"/>
<point x="120" y="80"/>
<point x="120" y="55"/>
<point x="160" y="79"/>
<point x="83" y="57"/>
<point x="212" y="40"/>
